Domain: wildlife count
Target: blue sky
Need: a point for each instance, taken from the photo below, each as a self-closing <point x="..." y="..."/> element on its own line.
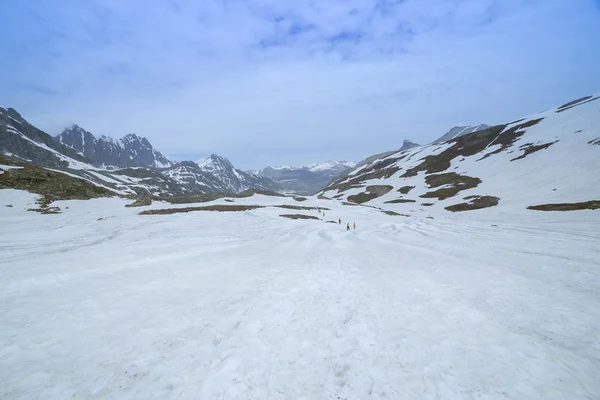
<point x="266" y="82"/>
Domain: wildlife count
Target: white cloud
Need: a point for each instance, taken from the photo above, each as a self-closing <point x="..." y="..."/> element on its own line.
<point x="265" y="81"/>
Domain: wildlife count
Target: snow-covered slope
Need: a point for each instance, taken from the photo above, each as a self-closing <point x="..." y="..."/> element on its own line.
<point x="306" y="180"/>
<point x="233" y="180"/>
<point x="102" y="303"/>
<point x="547" y="158"/>
<point x="129" y="151"/>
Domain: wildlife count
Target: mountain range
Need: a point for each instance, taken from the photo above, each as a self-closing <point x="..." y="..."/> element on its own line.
<point x="129" y="151"/>
<point x="131" y="165"/>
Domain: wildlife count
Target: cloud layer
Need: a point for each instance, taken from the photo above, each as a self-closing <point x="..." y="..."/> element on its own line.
<point x="268" y="82"/>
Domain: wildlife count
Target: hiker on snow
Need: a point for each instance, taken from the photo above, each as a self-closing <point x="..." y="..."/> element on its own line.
<point x="340" y="221"/>
<point x="355" y="225"/>
<point x="348" y="226"/>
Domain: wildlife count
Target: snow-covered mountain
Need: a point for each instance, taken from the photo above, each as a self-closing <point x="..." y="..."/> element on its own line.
<point x="129" y="151"/>
<point x="233" y="180"/>
<point x="127" y="166"/>
<point x="541" y="160"/>
<point x="306" y="180"/>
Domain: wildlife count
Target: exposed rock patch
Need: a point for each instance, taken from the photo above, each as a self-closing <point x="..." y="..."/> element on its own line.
<point x="475" y="203"/>
<point x="299" y="216"/>
<point x="453" y="183"/>
<point x="371" y="193"/>
<point x="588" y="205"/>
<point x="530" y="148"/>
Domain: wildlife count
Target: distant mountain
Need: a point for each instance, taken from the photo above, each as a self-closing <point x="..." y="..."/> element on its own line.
<point x="458" y="131"/>
<point x="547" y="161"/>
<point x="127" y="166"/>
<point x="233" y="180"/>
<point x="306" y="180"/>
<point x="408" y="145"/>
<point x="129" y="151"/>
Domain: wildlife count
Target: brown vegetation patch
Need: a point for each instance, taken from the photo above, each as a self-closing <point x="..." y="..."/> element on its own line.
<point x="399" y="201"/>
<point x="49" y="184"/>
<point x="588" y="205"/>
<point x="222" y="208"/>
<point x="299" y="198"/>
<point x="395" y="214"/>
<point x="457" y="183"/>
<point x="372" y="192"/>
<point x="405" y="189"/>
<point x="476" y="203"/>
<point x="595" y="141"/>
<point x="301" y="207"/>
<point x="298" y="216"/>
<point x="427" y="204"/>
<point x="471" y="144"/>
<point x="141" y="202"/>
<point x="380" y="170"/>
<point x="531" y="148"/>
<point x="507" y="138"/>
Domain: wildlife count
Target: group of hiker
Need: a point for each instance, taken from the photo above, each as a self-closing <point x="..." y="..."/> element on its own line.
<point x="347" y="225"/>
<point x="339" y="220"/>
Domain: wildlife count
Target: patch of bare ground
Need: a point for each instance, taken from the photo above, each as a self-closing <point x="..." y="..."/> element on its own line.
<point x="399" y="201"/>
<point x="588" y="205"/>
<point x="230" y="200"/>
<point x="454" y="183"/>
<point x="508" y="137"/>
<point x="395" y="214"/>
<point x="427" y="204"/>
<point x="222" y="208"/>
<point x="345" y="203"/>
<point x="595" y="141"/>
<point x="298" y="216"/>
<point x="576" y="103"/>
<point x="50" y="185"/>
<point x="371" y="193"/>
<point x="530" y="148"/>
<point x="475" y="203"/>
<point x="380" y="170"/>
<point x="299" y="198"/>
<point x="141" y="202"/>
<point x="471" y="144"/>
<point x="405" y="189"/>
<point x="289" y="207"/>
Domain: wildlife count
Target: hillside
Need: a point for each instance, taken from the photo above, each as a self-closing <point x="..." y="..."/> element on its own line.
<point x="544" y="161"/>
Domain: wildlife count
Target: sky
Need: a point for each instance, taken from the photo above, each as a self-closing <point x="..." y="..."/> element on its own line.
<point x="269" y="82"/>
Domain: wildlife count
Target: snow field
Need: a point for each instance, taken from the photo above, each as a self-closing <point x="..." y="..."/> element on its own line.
<point x="248" y="305"/>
